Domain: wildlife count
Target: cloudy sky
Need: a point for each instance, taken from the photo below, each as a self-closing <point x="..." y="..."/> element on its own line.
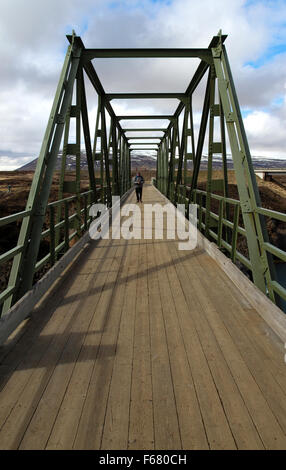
<point x="33" y="45"/>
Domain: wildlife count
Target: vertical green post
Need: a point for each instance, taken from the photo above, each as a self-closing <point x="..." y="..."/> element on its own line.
<point x="210" y="152"/>
<point x="246" y="183"/>
<point x="22" y="271"/>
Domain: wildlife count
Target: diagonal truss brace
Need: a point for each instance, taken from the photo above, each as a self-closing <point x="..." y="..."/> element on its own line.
<point x="256" y="232"/>
<point x="32" y="225"/>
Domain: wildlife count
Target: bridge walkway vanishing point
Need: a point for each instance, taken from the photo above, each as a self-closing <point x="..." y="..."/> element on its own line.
<point x="143" y="346"/>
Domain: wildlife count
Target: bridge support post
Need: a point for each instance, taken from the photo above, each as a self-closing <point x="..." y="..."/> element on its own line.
<point x="256" y="233"/>
<point x="22" y="272"/>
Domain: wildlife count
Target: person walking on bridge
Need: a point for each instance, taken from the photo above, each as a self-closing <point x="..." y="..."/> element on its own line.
<point x="138" y="183"/>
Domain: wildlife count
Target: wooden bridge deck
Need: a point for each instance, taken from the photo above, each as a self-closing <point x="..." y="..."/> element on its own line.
<point x="143" y="346"/>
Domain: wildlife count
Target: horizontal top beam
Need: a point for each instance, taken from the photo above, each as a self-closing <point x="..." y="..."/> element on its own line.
<point x="135" y="96"/>
<point x="137" y="137"/>
<point x="95" y="81"/>
<point x="200" y="53"/>
<point x="142" y="143"/>
<point x="155" y="148"/>
<point x="155" y="116"/>
<point x="147" y="129"/>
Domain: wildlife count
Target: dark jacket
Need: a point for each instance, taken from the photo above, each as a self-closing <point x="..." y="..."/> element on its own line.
<point x="138" y="181"/>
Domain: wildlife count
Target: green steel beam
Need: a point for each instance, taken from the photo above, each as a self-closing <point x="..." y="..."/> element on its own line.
<point x="246" y="182"/>
<point x="77" y="152"/>
<point x="87" y="138"/>
<point x="136" y="96"/>
<point x="155" y="116"/>
<point x="104" y="147"/>
<point x="95" y="81"/>
<point x="174" y="142"/>
<point x="142" y="143"/>
<point x="201" y="139"/>
<point x="199" y="74"/>
<point x="22" y="271"/>
<point x="201" y="53"/>
<point x="115" y="176"/>
<point x="182" y="149"/>
<point x="147" y="129"/>
<point x="144" y="138"/>
<point x="210" y="151"/>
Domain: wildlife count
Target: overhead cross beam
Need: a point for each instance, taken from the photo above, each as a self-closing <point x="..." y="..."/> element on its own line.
<point x="137" y="96"/>
<point x="146" y="129"/>
<point x="144" y="138"/>
<point x="143" y="143"/>
<point x="89" y="54"/>
<point x="139" y="117"/>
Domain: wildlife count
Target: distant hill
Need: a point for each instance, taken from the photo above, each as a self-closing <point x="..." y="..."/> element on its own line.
<point x="149" y="162"/>
<point x="137" y="161"/>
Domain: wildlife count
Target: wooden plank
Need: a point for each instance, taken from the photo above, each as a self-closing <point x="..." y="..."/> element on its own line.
<point x="32" y="374"/>
<point x="262" y="336"/>
<point x="49" y="382"/>
<point x="191" y="423"/>
<point x="273" y="395"/>
<point x="215" y="421"/>
<point x="91" y="425"/>
<point x="65" y="426"/>
<point x="103" y="311"/>
<point x="21" y="343"/>
<point x="148" y="348"/>
<point x="271" y="433"/>
<point x="20" y="403"/>
<point x="141" y="429"/>
<point x="116" y="424"/>
<point x="243" y="430"/>
<point x="166" y="426"/>
<point x="270" y="313"/>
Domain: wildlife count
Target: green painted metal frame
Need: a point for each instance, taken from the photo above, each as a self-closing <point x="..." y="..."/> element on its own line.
<point x="146" y="129"/>
<point x="228" y="112"/>
<point x="174" y="178"/>
<point x="149" y="117"/>
<point x="22" y="271"/>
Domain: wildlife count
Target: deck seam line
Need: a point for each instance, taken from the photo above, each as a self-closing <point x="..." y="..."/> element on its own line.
<point x="168" y="349"/>
<point x="150" y="343"/>
<point x="68" y="326"/>
<point x="97" y="352"/>
<point x="251" y="373"/>
<point x="58" y="360"/>
<point x="117" y="284"/>
<point x="187" y="358"/>
<point x="133" y="348"/>
<point x="270" y="409"/>
<point x="207" y="362"/>
<point x="75" y="363"/>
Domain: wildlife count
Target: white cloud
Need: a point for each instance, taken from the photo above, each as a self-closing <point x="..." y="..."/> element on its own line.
<point x="9" y="163"/>
<point x="261" y="127"/>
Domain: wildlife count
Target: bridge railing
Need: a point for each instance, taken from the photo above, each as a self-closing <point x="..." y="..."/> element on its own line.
<point x="274" y="250"/>
<point x="10" y="254"/>
<point x="63" y="224"/>
<point x="222" y="223"/>
<point x="79" y="221"/>
<point x="219" y="227"/>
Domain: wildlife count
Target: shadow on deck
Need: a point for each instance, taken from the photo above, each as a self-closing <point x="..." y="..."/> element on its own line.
<point x="143" y="346"/>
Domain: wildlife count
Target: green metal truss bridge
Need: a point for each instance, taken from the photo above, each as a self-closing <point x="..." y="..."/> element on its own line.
<point x="107" y="316"/>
